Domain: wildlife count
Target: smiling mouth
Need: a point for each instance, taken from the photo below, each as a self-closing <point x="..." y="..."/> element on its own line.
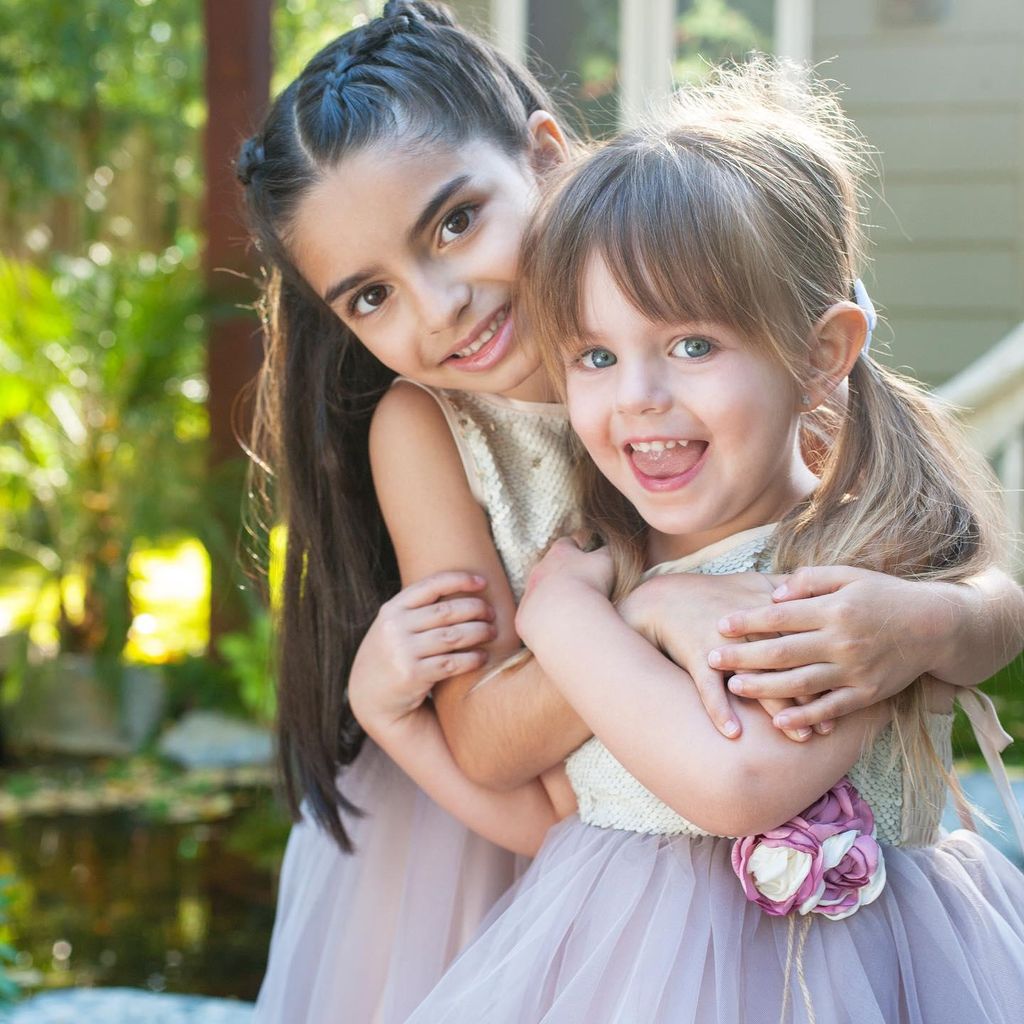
<point x="486" y="335"/>
<point x="666" y="459"/>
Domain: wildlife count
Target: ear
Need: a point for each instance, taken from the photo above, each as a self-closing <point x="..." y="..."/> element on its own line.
<point x="548" y="147"/>
<point x="835" y="345"/>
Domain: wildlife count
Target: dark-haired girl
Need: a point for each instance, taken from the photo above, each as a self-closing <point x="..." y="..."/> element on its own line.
<point x="388" y="191"/>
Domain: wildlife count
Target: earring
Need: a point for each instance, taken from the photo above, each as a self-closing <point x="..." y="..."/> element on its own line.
<point x="805" y="399"/>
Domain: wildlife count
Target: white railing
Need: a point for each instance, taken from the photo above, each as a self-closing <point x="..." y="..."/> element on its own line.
<point x="990" y="396"/>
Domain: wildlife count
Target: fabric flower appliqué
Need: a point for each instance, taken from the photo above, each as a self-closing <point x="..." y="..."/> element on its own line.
<point x="825" y="860"/>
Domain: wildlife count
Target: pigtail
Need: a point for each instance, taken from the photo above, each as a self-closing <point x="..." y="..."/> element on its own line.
<point x="901" y="491"/>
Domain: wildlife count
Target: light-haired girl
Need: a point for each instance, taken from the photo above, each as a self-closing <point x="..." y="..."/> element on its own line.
<point x="692" y="286"/>
<point x="388" y="191"/>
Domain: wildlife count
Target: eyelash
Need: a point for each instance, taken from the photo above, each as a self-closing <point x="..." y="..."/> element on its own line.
<point x="469" y="208"/>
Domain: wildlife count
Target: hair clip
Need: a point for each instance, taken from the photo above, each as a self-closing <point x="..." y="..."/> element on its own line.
<point x="861" y="297"/>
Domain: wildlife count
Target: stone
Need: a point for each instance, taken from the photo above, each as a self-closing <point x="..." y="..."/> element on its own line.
<point x="210" y="739"/>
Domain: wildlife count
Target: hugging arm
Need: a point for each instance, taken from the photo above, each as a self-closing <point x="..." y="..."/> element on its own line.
<point x="638" y="703"/>
<point x="435" y="523"/>
<point x="858" y="637"/>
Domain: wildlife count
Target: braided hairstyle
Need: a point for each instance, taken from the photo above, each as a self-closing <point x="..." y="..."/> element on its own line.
<point x="411" y="74"/>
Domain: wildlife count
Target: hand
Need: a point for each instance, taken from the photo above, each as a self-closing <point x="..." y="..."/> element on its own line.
<point x="679" y="613"/>
<point x="565" y="564"/>
<point x="850" y="636"/>
<point x="427" y="632"/>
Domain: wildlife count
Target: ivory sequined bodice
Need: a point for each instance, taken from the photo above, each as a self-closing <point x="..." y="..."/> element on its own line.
<point x="516" y="457"/>
<point x="609" y="797"/>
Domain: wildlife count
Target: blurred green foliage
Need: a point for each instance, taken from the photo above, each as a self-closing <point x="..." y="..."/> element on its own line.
<point x="102" y="422"/>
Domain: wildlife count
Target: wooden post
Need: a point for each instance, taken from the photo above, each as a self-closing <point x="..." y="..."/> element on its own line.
<point x="238" y="63"/>
<point x="647" y="49"/>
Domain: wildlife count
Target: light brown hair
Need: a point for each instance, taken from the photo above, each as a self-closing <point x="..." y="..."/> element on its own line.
<point x="742" y="206"/>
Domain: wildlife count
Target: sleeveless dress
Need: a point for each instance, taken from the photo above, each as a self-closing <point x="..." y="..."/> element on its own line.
<point x="631" y="914"/>
<point x="362" y="938"/>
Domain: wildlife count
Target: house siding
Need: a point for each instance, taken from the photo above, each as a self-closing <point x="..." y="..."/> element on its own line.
<point x="943" y="103"/>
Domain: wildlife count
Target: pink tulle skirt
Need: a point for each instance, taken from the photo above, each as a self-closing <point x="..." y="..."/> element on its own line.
<point x="362" y="938"/>
<point x="610" y="926"/>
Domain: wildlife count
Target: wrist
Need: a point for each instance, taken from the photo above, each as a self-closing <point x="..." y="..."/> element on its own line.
<point x="639" y="606"/>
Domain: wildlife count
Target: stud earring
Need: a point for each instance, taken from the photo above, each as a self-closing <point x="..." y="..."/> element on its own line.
<point x="805" y="399"/>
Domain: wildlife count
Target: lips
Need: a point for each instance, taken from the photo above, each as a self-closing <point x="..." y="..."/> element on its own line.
<point x="666" y="465"/>
<point x="486" y="345"/>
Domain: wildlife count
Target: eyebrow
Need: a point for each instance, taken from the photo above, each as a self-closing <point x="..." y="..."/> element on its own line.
<point x="440" y="197"/>
<point x="430" y="211"/>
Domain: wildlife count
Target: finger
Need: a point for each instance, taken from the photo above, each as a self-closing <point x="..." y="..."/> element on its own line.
<point x="453" y="638"/>
<point x="798" y="734"/>
<point x="783" y="652"/>
<point x="814" y="581"/>
<point x="805" y="682"/>
<point x="445" y="666"/>
<point x="440" y="584"/>
<point x="821" y="728"/>
<point x="715" y="698"/>
<point x="799" y="617"/>
<point x="449" y="612"/>
<point x="824" y="709"/>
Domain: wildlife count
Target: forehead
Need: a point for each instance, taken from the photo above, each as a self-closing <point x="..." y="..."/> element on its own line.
<point x="602" y="302"/>
<point x="364" y="207"/>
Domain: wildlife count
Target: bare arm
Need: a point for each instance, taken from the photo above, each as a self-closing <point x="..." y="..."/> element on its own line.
<point x="517" y="820"/>
<point x="637" y="702"/>
<point x="517" y="725"/>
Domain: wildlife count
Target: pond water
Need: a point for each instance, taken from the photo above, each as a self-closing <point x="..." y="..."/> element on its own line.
<point x="114" y="899"/>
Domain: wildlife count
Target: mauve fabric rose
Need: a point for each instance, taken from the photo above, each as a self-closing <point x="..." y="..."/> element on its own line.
<point x="841" y="809"/>
<point x="848" y="884"/>
<point x="780" y="869"/>
<point x="824" y="861"/>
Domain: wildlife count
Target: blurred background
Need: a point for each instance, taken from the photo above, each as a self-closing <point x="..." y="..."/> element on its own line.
<point x="139" y="837"/>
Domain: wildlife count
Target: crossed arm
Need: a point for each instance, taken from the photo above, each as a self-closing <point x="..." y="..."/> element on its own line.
<point x="472" y="740"/>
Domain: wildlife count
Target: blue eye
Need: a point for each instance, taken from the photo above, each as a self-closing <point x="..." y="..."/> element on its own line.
<point x="692" y="348"/>
<point x="598" y="359"/>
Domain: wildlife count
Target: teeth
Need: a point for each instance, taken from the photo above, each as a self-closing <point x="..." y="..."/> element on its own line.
<point x="485" y="336"/>
<point x="656" y="446"/>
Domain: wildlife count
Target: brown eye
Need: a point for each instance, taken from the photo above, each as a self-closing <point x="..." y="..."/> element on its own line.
<point x="369" y="299"/>
<point x="456" y="223"/>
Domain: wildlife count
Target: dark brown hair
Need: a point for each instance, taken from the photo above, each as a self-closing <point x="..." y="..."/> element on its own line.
<point x="412" y="74"/>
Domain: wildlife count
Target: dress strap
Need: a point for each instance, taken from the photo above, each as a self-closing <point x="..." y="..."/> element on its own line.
<point x="993" y="738"/>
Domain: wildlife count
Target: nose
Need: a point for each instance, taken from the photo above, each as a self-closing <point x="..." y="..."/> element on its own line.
<point x="440" y="299"/>
<point x="641" y="389"/>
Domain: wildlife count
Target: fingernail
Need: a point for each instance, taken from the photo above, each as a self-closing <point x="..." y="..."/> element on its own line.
<point x="731" y="729"/>
<point x="827" y="727"/>
<point x="780" y="591"/>
<point x="736" y="685"/>
<point x="479" y="580"/>
<point x="724" y="625"/>
<point x="781" y="721"/>
<point x="803" y="734"/>
<point x="715" y="659"/>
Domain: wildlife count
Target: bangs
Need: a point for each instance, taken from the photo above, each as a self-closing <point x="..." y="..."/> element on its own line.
<point x="686" y="238"/>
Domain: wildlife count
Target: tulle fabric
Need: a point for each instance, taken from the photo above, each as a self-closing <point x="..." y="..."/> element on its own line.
<point x="362" y="938"/>
<point x="613" y="926"/>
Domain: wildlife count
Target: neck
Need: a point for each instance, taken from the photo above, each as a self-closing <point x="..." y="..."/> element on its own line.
<point x="535" y="388"/>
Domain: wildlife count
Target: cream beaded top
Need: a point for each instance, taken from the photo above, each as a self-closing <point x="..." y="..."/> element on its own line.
<point x="609" y="797"/>
<point x="516" y="457"/>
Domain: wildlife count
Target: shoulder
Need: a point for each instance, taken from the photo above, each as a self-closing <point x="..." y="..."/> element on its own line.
<point x="409" y="426"/>
<point x="421" y="482"/>
<point x="407" y="406"/>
